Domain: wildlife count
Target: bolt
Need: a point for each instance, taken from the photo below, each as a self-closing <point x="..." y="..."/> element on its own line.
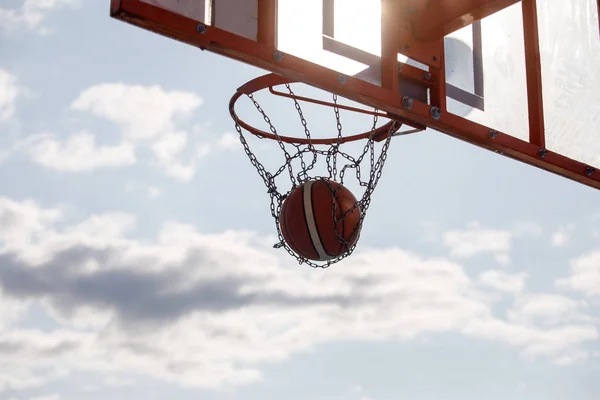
<point x="589" y="171"/>
<point x="407" y="102"/>
<point x="201" y="28"/>
<point x="342" y="79"/>
<point x="542" y="153"/>
<point x="278" y="56"/>
<point x="427" y="75"/>
<point x="493" y="134"/>
<point x="435" y="113"/>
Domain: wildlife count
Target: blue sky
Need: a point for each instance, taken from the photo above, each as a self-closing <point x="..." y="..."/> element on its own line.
<point x="136" y="255"/>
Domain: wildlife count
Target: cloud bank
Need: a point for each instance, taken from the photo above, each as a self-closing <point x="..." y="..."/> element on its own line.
<point x="208" y="310"/>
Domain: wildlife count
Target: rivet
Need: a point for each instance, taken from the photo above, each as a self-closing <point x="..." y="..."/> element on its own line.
<point x="589" y="171"/>
<point x="201" y="28"/>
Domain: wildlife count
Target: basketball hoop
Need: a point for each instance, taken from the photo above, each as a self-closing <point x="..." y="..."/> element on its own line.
<point x="271" y="80"/>
<point x="328" y="150"/>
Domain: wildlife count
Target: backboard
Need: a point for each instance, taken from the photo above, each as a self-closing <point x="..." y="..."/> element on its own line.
<point x="516" y="77"/>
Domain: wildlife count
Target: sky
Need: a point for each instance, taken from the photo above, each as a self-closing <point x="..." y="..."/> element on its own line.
<point x="137" y="259"/>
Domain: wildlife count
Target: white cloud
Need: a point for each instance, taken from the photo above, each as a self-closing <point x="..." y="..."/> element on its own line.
<point x="584" y="275"/>
<point x="77" y="153"/>
<point x="180" y="171"/>
<point x="152" y="192"/>
<point x="169" y="146"/>
<point x="527" y="229"/>
<point x="536" y="341"/>
<point x="208" y="310"/>
<point x="546" y="309"/>
<point x="147" y="115"/>
<point x="30" y="15"/>
<point x="569" y="359"/>
<point x="358" y="392"/>
<point x="168" y="150"/>
<point x="477" y="240"/>
<point x="144" y="112"/>
<point x="119" y="382"/>
<point x="209" y="140"/>
<point x="562" y="236"/>
<point x="102" y="227"/>
<point x="47" y="397"/>
<point x="431" y="231"/>
<point x="9" y="93"/>
<point x="502" y="258"/>
<point x="203" y="149"/>
<point x="559" y="239"/>
<point x="17" y="377"/>
<point x="229" y="141"/>
<point x="10" y="311"/>
<point x="23" y="223"/>
<point x="504" y="281"/>
<point x="356" y="389"/>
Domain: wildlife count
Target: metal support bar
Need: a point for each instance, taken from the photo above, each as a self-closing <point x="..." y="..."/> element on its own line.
<point x="533" y="68"/>
<point x="438" y="75"/>
<point x="389" y="45"/>
<point x="267" y="22"/>
<point x="598" y="10"/>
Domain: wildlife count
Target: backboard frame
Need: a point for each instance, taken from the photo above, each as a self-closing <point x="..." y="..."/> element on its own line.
<point x="425" y="44"/>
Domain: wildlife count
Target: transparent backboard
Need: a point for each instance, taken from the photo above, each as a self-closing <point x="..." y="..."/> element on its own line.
<point x="486" y="78"/>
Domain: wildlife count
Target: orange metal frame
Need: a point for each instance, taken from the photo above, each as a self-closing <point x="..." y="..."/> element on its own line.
<point x="420" y="37"/>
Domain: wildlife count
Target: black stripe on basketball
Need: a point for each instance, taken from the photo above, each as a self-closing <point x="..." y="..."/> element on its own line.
<point x="338" y="213"/>
<point x="324" y="218"/>
<point x="296" y="232"/>
<point x="317" y="225"/>
<point x="342" y="235"/>
<point x="306" y="220"/>
<point x="350" y="214"/>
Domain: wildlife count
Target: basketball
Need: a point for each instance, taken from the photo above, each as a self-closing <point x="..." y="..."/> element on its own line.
<point x="308" y="224"/>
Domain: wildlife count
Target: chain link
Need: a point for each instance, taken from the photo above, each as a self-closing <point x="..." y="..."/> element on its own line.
<point x="332" y="155"/>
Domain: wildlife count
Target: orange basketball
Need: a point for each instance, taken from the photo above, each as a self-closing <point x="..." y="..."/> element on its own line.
<point x="308" y="224"/>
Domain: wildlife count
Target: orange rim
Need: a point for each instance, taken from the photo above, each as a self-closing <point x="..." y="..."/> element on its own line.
<point x="270" y="80"/>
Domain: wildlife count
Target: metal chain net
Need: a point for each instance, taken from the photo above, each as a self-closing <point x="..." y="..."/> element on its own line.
<point x="307" y="155"/>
